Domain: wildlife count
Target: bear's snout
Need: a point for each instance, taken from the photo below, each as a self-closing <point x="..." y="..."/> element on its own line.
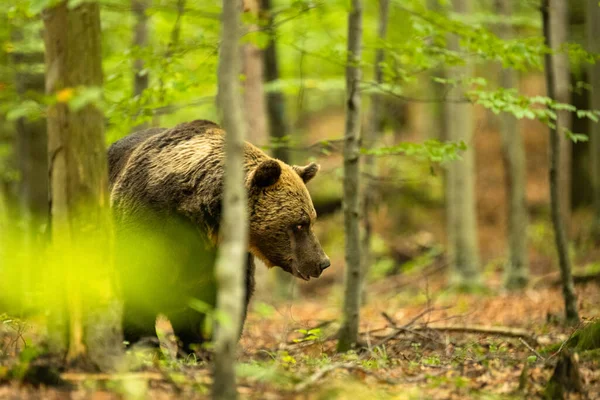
<point x="326" y="263"/>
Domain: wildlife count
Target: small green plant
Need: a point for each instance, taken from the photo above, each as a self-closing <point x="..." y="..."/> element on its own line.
<point x="433" y="360"/>
<point x="310" y="335"/>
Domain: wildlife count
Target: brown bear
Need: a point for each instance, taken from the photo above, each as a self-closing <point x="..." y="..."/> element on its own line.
<point x="166" y="191"/>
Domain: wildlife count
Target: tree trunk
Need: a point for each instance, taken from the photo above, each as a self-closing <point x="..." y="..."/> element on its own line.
<point x="275" y="100"/>
<point x="549" y="7"/>
<point x="254" y="96"/>
<point x="559" y="20"/>
<point x="463" y="251"/>
<point x="277" y="125"/>
<point x="517" y="268"/>
<point x="166" y="62"/>
<point x="140" y="40"/>
<point x="369" y="138"/>
<point x="348" y="334"/>
<point x="593" y="33"/>
<point x="435" y="123"/>
<point x="230" y="265"/>
<point x="79" y="190"/>
<point x="31" y="144"/>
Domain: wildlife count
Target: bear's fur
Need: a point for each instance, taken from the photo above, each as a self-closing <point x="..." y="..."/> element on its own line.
<point x="166" y="191"/>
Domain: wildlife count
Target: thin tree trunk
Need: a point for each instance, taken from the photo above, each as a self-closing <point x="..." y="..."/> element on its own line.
<point x="278" y="128"/>
<point x="254" y="96"/>
<point x="517" y="268"/>
<point x="31" y="143"/>
<point x="31" y="148"/>
<point x="140" y="40"/>
<point x="173" y="43"/>
<point x="230" y="265"/>
<point x="461" y="216"/>
<point x="369" y="138"/>
<point x="593" y="44"/>
<point x="549" y="7"/>
<point x="79" y="190"/>
<point x="559" y="20"/>
<point x="435" y="123"/>
<point x="277" y="124"/>
<point x="348" y="334"/>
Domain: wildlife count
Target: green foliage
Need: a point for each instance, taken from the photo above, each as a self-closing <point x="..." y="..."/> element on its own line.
<point x="309" y="335"/>
<point x="431" y="150"/>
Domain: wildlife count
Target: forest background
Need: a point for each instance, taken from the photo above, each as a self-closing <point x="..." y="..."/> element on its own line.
<point x="458" y="249"/>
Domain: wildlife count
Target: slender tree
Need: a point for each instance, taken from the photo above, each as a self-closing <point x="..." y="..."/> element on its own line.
<point x="435" y="124"/>
<point x="559" y="20"/>
<point x="593" y="44"/>
<point x="140" y="40"/>
<point x="368" y="140"/>
<point x="517" y="269"/>
<point x="549" y="7"/>
<point x="278" y="127"/>
<point x="230" y="265"/>
<point x="79" y="188"/>
<point x="461" y="219"/>
<point x="348" y="334"/>
<point x="167" y="59"/>
<point x="277" y="121"/>
<point x="31" y="144"/>
<point x="254" y="98"/>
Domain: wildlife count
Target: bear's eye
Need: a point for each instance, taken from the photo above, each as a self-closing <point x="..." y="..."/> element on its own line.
<point x="300" y="227"/>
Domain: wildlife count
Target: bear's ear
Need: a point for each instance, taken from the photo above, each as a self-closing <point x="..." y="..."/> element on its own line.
<point x="307" y="172"/>
<point x="266" y="174"/>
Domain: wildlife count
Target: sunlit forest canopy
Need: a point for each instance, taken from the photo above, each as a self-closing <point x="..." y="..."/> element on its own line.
<point x="181" y="55"/>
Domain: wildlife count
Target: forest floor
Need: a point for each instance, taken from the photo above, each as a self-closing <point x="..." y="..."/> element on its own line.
<point x="420" y="341"/>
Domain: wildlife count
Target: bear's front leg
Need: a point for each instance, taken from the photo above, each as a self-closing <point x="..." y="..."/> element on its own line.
<point x="139" y="326"/>
<point x="187" y="325"/>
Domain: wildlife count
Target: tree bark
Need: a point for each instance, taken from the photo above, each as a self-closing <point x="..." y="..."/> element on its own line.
<point x="369" y="138"/>
<point x="254" y="96"/>
<point x="593" y="33"/>
<point x="278" y="127"/>
<point x="79" y="191"/>
<point x="559" y="20"/>
<point x="463" y="251"/>
<point x="166" y="64"/>
<point x="549" y="7"/>
<point x="517" y="268"/>
<point x="230" y="265"/>
<point x="32" y="161"/>
<point x="435" y="124"/>
<point x="348" y="334"/>
<point x="140" y="40"/>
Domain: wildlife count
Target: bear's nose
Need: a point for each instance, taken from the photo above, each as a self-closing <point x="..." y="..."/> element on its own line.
<point x="325" y="264"/>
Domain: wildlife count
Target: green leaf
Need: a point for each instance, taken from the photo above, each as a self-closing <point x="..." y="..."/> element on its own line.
<point x="85" y="96"/>
<point x="28" y="109"/>
<point x="37" y="6"/>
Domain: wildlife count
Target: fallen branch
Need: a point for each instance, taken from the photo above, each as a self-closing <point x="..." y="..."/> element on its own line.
<point x="404" y="328"/>
<point x="552" y="279"/>
<point x="488" y="330"/>
<point x="81" y="377"/>
<point x="318" y="375"/>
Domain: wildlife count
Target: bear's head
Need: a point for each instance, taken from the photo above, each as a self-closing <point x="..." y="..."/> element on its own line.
<point x="282" y="216"/>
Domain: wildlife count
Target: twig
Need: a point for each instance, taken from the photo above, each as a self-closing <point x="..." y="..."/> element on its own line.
<point x="314" y="378"/>
<point x="565" y="342"/>
<point x="534" y="351"/>
<point x="80" y="377"/>
<point x="401" y="329"/>
<point x="491" y="330"/>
